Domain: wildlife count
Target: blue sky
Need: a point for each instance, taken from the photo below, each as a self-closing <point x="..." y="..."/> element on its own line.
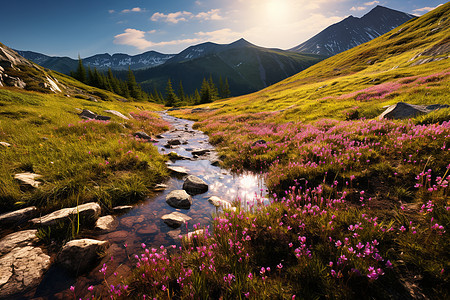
<point x="69" y="28"/>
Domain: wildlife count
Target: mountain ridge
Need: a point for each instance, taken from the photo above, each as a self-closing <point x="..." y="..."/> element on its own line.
<point x="353" y="31"/>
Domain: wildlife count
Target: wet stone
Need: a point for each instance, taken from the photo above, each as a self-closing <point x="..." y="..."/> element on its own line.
<point x="175" y="219"/>
<point x="178" y="170"/>
<point x="194" y="185"/>
<point x="179" y="199"/>
<point x="148" y="229"/>
<point x="122" y="209"/>
<point x="106" y="223"/>
<point x="79" y="256"/>
<point x="131" y="221"/>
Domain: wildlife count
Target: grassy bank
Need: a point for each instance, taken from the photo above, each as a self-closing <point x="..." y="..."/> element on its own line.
<point x="79" y="160"/>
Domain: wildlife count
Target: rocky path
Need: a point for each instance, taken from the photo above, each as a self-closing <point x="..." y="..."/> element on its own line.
<point x="197" y="188"/>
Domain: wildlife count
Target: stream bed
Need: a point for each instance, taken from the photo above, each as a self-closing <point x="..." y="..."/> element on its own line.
<point x="143" y="224"/>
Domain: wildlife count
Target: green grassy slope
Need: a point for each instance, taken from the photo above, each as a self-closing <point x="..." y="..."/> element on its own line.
<point x="368" y="77"/>
<point x="79" y="160"/>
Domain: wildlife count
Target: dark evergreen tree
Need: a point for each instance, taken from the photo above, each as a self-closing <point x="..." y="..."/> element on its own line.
<point x="205" y="92"/>
<point x="171" y="98"/>
<point x="214" y="93"/>
<point x="80" y="73"/>
<point x="133" y="87"/>
<point x="226" y="89"/>
<point x="181" y="95"/>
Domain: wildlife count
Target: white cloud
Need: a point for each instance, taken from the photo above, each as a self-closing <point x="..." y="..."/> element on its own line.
<point x="111" y="11"/>
<point x="357" y="8"/>
<point x="136" y="38"/>
<point x="425" y="9"/>
<point x="184" y="16"/>
<point x="213" y="14"/>
<point x="133" y="37"/>
<point x="135" y="9"/>
<point x="180" y="16"/>
<point x="372" y="3"/>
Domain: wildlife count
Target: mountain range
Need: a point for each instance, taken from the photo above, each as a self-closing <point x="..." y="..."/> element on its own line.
<point x="247" y="67"/>
<point x="353" y="31"/>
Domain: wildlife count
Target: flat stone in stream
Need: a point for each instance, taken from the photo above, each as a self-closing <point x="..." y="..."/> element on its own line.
<point x="122" y="209"/>
<point x="179" y="199"/>
<point x="79" y="256"/>
<point x="194" y="185"/>
<point x="178" y="170"/>
<point x="175" y="219"/>
<point x="106" y="223"/>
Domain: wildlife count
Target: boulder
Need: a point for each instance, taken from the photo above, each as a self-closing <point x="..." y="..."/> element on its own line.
<point x="117" y="114"/>
<point x="89" y="210"/>
<point x="5" y="144"/>
<point x="174" y="142"/>
<point x="18" y="216"/>
<point x="142" y="135"/>
<point x="179" y="199"/>
<point x="178" y="170"/>
<point x="79" y="256"/>
<point x="200" y="152"/>
<point x="18" y="239"/>
<point x="175" y="219"/>
<point x="106" y="223"/>
<point x="87" y="114"/>
<point x="28" y="179"/>
<point x="403" y="110"/>
<point x="194" y="185"/>
<point x="22" y="269"/>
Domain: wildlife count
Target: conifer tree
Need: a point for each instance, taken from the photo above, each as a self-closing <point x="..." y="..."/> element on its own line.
<point x="181" y="95"/>
<point x="214" y="94"/>
<point x="205" y="92"/>
<point x="226" y="89"/>
<point x="171" y="97"/>
<point x="80" y="74"/>
<point x="133" y="87"/>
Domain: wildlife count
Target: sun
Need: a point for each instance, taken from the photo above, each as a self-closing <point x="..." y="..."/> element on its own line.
<point x="276" y="10"/>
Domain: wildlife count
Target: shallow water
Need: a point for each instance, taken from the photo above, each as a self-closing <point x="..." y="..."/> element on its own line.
<point x="143" y="223"/>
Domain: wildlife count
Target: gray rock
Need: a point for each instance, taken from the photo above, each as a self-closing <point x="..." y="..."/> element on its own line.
<point x="87" y="114"/>
<point x="17" y="240"/>
<point x="200" y="152"/>
<point x="89" y="210"/>
<point x="174" y="142"/>
<point x="403" y="110"/>
<point x="5" y="144"/>
<point x="22" y="269"/>
<point x="79" y="256"/>
<point x="106" y="223"/>
<point x="18" y="216"/>
<point x="160" y="187"/>
<point x="179" y="199"/>
<point x="117" y="114"/>
<point x="175" y="219"/>
<point x="178" y="170"/>
<point x="142" y="135"/>
<point x="28" y="179"/>
<point x="194" y="185"/>
<point x="122" y="209"/>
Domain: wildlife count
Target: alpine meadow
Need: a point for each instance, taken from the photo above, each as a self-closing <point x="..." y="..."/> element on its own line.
<point x="229" y="170"/>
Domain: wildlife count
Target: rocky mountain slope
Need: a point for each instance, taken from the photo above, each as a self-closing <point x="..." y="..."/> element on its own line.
<point x="16" y="71"/>
<point x="353" y="31"/>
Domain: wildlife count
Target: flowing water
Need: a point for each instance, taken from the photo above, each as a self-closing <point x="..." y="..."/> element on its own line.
<point x="143" y="223"/>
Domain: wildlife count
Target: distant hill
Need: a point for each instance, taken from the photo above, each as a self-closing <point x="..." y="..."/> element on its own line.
<point x="409" y="64"/>
<point x="102" y="62"/>
<point x="353" y="31"/>
<point x="247" y="67"/>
